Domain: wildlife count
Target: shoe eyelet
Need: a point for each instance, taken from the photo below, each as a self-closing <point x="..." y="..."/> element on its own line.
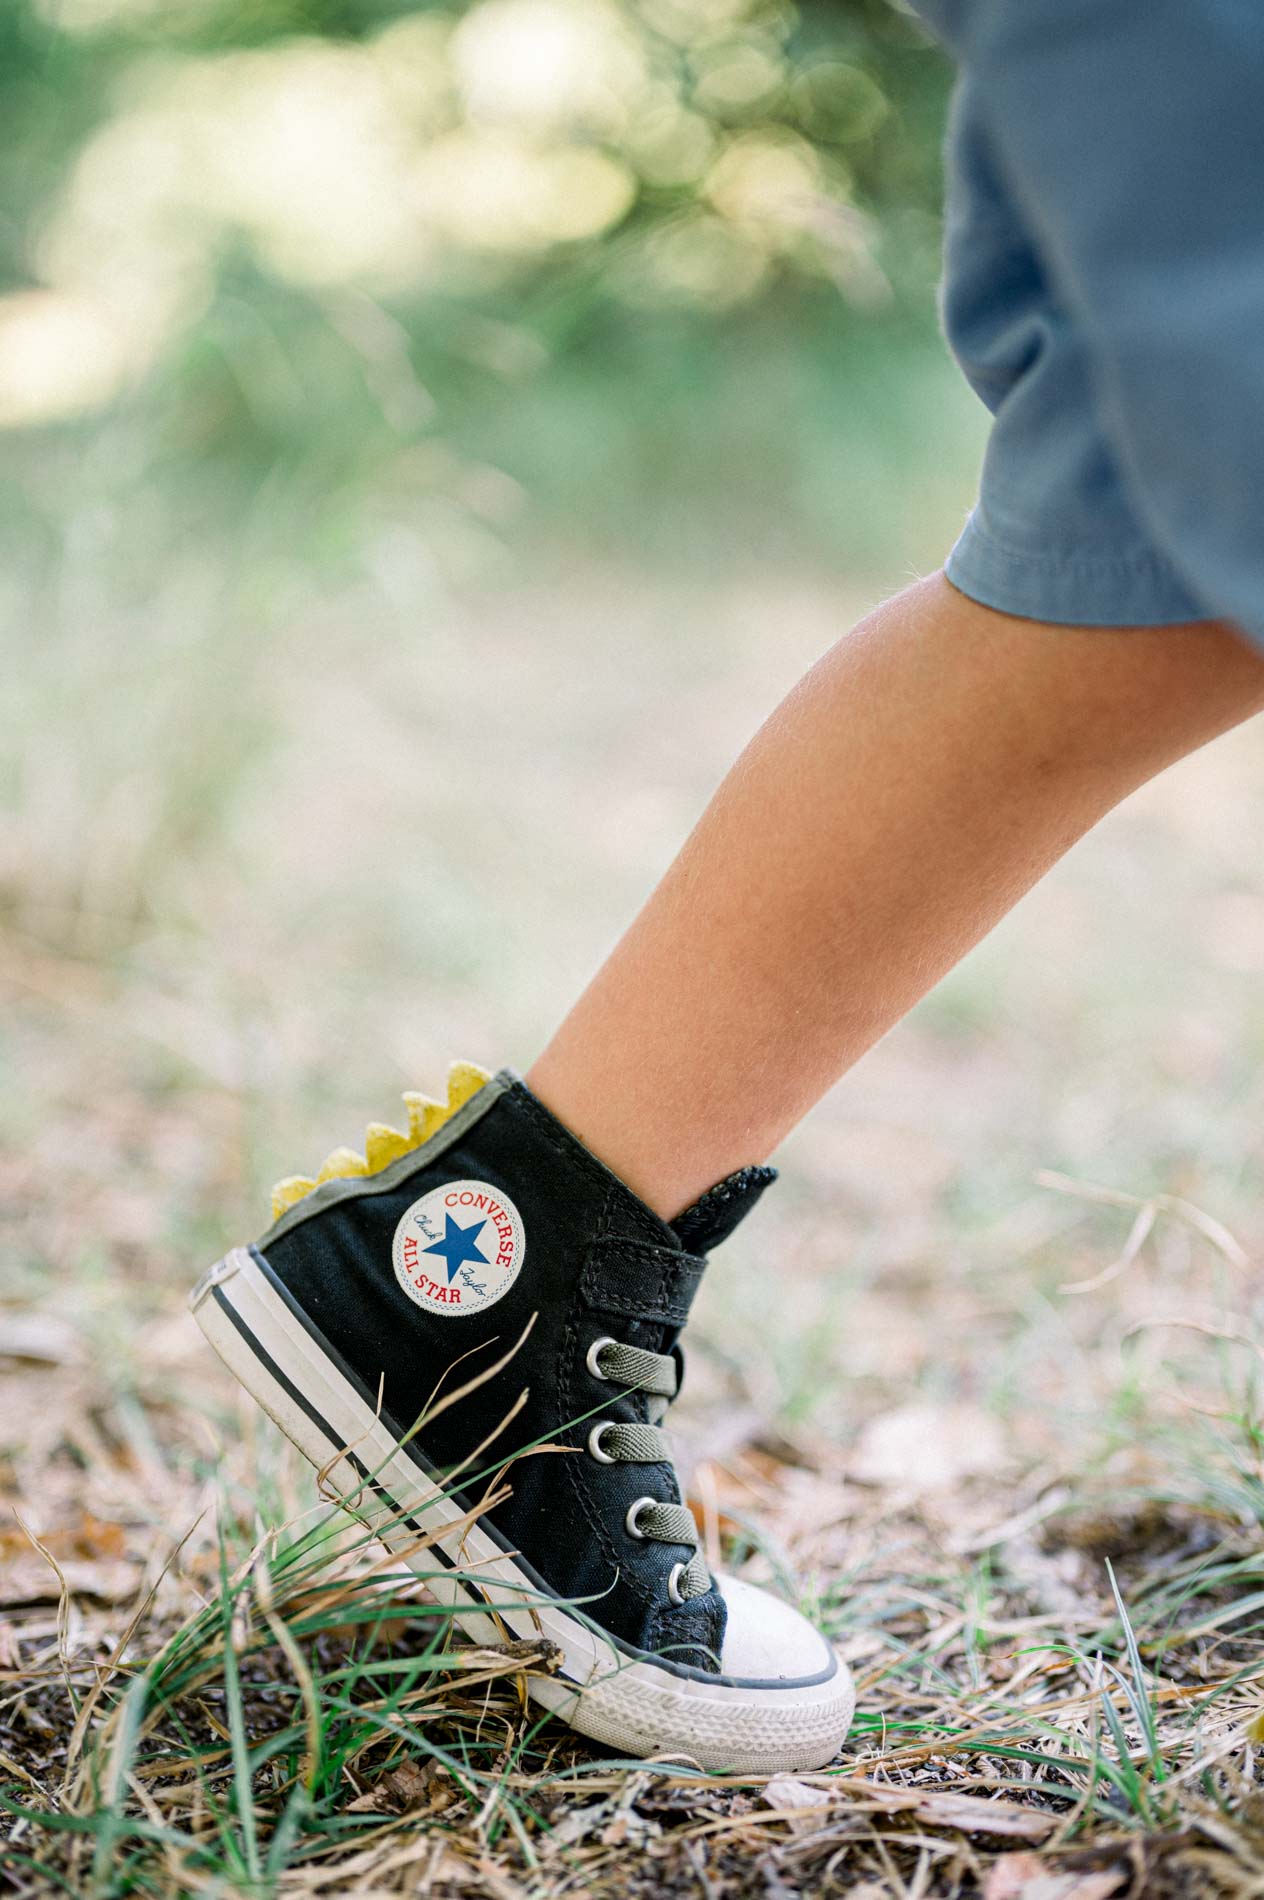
<point x="593" y="1358"/>
<point x="673" y="1584"/>
<point x="630" y="1524"/>
<point x="594" y="1442"/>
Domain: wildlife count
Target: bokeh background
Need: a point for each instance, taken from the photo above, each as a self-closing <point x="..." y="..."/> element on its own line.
<point x="431" y="440"/>
<point x="322" y="317"/>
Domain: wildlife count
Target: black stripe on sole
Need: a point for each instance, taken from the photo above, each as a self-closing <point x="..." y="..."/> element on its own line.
<point x="361" y="1470"/>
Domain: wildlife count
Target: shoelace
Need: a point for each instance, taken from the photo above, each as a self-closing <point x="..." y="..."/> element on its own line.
<point x="610" y="1443"/>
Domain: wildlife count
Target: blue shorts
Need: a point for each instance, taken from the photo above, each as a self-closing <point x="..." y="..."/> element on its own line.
<point x="1104" y="294"/>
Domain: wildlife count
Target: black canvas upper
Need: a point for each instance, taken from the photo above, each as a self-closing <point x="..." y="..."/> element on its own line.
<point x="597" y="1263"/>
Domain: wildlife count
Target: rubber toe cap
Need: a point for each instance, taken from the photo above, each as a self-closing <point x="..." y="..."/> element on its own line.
<point x="766" y="1640"/>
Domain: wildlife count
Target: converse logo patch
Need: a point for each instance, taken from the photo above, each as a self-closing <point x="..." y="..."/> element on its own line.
<point x="459" y="1248"/>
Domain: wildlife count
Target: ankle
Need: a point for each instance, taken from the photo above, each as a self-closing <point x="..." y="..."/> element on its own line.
<point x="626" y="1135"/>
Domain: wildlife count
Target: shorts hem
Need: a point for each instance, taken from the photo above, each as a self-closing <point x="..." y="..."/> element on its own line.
<point x="1074" y="587"/>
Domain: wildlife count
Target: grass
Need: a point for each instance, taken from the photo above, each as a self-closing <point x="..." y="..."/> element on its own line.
<point x="979" y="1386"/>
<point x="311" y="1726"/>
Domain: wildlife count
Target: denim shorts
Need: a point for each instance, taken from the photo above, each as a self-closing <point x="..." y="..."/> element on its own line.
<point x="1104" y="294"/>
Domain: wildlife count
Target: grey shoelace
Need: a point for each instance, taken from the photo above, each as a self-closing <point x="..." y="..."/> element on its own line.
<point x="613" y="1443"/>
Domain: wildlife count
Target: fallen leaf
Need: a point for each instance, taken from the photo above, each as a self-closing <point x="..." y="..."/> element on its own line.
<point x="975" y="1815"/>
<point x="91" y="1537"/>
<point x="409" y="1781"/>
<point x="1028" y="1877"/>
<point x="406" y="1786"/>
<point x="1007" y="1877"/>
<point x="578" y="1824"/>
<point x="629" y="1829"/>
<point x="535" y="1653"/>
<point x="615" y="1820"/>
<point x="928" y="1447"/>
<point x="39" y="1337"/>
<point x="803" y="1806"/>
<point x="498" y="1883"/>
<point x="375" y="1800"/>
<point x="971" y="1813"/>
<point x="32" y="1580"/>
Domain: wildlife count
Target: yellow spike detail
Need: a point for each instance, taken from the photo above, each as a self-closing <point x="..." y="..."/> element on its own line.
<point x="286" y="1192"/>
<point x="464" y="1079"/>
<point x="341" y="1163"/>
<point x="424" y="1116"/>
<point x="382" y="1145"/>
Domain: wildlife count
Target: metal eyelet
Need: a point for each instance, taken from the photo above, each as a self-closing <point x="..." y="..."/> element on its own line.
<point x="594" y="1442"/>
<point x="593" y="1358"/>
<point x="630" y="1523"/>
<point x="673" y="1583"/>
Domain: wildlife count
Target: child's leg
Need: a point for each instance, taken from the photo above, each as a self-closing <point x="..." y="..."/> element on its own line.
<point x="922" y="776"/>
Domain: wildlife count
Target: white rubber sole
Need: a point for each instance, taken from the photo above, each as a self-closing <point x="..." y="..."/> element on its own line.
<point x="624" y="1699"/>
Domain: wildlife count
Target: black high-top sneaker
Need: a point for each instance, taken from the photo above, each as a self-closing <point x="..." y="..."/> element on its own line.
<point x="489" y="1236"/>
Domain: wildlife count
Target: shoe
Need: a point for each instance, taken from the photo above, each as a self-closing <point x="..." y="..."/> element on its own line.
<point x="489" y="1236"/>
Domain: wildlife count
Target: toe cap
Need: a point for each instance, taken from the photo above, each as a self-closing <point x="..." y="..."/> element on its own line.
<point x="765" y="1640"/>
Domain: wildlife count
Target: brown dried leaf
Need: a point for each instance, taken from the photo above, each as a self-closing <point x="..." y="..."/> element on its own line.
<point x="90" y="1538"/>
<point x="1007" y="1877"/>
<point x="928" y="1447"/>
<point x="803" y="1806"/>
<point x="498" y="1883"/>
<point x="629" y="1829"/>
<point x="409" y="1782"/>
<point x="1028" y="1877"/>
<point x="535" y="1653"/>
<point x="40" y="1337"/>
<point x="970" y="1813"/>
<point x="402" y="1789"/>
<point x="93" y="1538"/>
<point x="374" y="1800"/>
<point x="976" y="1815"/>
<point x="31" y="1579"/>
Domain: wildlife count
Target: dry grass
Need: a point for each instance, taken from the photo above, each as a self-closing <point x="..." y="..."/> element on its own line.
<point x="978" y="1386"/>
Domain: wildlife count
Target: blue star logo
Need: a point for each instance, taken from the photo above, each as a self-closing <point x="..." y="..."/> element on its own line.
<point x="457" y="1245"/>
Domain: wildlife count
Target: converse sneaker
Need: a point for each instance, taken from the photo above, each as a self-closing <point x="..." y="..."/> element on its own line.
<point x="422" y="1315"/>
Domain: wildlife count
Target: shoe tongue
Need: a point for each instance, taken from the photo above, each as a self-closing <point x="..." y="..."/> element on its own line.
<point x="716" y="1213"/>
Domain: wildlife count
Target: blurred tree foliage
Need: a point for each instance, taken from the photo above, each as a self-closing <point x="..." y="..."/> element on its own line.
<point x="312" y="266"/>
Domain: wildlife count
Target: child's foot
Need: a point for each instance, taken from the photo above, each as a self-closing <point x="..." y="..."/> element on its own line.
<point x="347" y="1323"/>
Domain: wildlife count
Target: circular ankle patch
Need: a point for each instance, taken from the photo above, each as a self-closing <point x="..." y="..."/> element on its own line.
<point x="459" y="1248"/>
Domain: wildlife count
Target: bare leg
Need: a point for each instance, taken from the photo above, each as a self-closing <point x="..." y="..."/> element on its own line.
<point x="925" y="773"/>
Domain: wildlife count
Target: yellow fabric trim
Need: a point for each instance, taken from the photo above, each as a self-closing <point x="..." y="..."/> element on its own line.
<point x="464" y="1080"/>
<point x="286" y="1192"/>
<point x="343" y="1161"/>
<point x="424" y="1116"/>
<point x="383" y="1144"/>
